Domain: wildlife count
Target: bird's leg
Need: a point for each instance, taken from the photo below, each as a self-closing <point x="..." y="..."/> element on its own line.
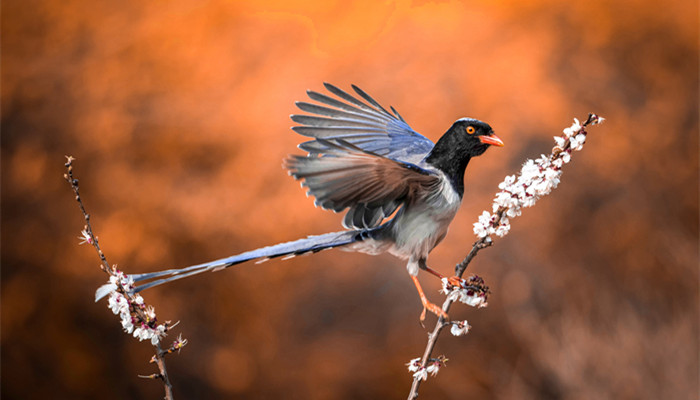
<point x="422" y="264"/>
<point x="453" y="280"/>
<point x="426" y="304"/>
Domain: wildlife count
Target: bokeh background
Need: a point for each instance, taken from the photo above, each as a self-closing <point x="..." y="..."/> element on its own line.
<point x="177" y="113"/>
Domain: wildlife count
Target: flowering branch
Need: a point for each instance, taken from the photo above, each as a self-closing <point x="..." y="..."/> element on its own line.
<point x="137" y="318"/>
<point x="537" y="178"/>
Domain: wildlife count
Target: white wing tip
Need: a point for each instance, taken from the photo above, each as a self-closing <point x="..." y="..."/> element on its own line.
<point x="104" y="290"/>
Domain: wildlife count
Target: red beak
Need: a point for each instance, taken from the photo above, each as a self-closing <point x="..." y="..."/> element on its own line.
<point x="492" y="140"/>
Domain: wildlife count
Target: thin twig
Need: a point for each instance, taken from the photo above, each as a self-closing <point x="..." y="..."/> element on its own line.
<point x="441" y="323"/>
<point x="160" y="362"/>
<point x="91" y="238"/>
<point x="68" y="176"/>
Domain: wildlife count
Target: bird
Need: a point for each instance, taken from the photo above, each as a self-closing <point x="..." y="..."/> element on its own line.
<point x="398" y="189"/>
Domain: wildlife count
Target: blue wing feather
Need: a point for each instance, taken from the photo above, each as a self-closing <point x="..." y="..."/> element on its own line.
<point x="366" y="125"/>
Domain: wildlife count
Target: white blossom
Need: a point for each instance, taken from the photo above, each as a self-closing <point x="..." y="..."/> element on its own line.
<point x="433" y="368"/>
<point x="154" y="334"/>
<point x="573" y="129"/>
<point x="471" y="292"/>
<point x="560" y="142"/>
<point x="468" y="297"/>
<point x="529" y="171"/>
<point x="421" y="374"/>
<point x="145" y="332"/>
<point x="150" y="313"/>
<point x="565" y="157"/>
<point x="84" y="237"/>
<point x="117" y="303"/>
<point x="160" y="333"/>
<point x="125" y="281"/>
<point x="414" y="365"/>
<point x="460" y="328"/>
<point x="503" y="199"/>
<point x="127" y="323"/>
<point x="509" y="180"/>
<point x="503" y="227"/>
<point x="138" y="299"/>
<point x="543" y="161"/>
<point x="155" y="340"/>
<point x="576" y="143"/>
<point x="474" y="300"/>
<point x="140" y="333"/>
<point x="483" y="227"/>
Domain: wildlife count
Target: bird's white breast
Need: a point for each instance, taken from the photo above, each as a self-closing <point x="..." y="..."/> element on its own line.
<point x="424" y="224"/>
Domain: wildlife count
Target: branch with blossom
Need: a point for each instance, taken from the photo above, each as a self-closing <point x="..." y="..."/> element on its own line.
<point x="137" y="318"/>
<point x="537" y="178"/>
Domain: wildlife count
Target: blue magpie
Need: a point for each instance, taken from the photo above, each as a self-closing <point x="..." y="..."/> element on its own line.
<point x="400" y="190"/>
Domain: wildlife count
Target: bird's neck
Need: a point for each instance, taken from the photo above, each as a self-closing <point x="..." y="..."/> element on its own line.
<point x="452" y="160"/>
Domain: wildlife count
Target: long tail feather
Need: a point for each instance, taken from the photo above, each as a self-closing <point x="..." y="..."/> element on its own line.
<point x="311" y="244"/>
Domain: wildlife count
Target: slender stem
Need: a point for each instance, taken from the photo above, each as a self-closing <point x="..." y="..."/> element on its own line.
<point x="158" y="358"/>
<point x="478" y="245"/>
<point x="441" y="323"/>
<point x="160" y="362"/>
<point x="88" y="227"/>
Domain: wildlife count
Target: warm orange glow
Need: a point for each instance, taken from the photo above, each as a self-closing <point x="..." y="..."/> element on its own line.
<point x="178" y="115"/>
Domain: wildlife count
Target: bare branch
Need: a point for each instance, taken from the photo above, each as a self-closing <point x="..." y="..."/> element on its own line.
<point x="132" y="307"/>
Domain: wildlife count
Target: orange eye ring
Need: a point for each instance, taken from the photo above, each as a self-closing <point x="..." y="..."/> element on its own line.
<point x="470" y="130"/>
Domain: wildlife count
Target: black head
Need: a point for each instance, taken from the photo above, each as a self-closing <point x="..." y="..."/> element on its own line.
<point x="465" y="139"/>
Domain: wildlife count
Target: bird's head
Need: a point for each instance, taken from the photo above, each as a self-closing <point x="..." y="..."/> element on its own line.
<point x="465" y="139"/>
<point x="472" y="136"/>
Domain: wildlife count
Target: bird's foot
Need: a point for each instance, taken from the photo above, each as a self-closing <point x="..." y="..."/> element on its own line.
<point x="426" y="304"/>
<point x="433" y="308"/>
<point x="474" y="283"/>
<point x="457" y="281"/>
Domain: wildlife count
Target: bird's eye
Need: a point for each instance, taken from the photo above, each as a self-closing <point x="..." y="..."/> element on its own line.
<point x="470" y="130"/>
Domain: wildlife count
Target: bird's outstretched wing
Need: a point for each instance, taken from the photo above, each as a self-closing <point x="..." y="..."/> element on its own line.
<point x="370" y="185"/>
<point x="365" y="124"/>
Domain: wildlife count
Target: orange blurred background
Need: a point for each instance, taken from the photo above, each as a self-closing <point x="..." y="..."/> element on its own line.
<point x="177" y="113"/>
